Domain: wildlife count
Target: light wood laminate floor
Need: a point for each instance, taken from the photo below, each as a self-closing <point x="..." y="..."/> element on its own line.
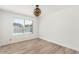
<point x="35" y="46"/>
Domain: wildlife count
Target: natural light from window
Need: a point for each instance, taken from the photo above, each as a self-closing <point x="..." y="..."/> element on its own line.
<point x="22" y="26"/>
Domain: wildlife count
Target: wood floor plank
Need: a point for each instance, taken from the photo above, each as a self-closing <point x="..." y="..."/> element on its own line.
<point x="35" y="46"/>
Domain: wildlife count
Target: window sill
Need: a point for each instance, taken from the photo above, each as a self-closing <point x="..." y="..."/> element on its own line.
<point x="16" y="34"/>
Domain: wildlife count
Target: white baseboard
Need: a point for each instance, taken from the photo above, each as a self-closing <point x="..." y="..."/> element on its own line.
<point x="77" y="49"/>
<point x="15" y="40"/>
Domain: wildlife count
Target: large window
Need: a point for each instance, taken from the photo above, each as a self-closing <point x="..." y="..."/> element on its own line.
<point x="22" y="26"/>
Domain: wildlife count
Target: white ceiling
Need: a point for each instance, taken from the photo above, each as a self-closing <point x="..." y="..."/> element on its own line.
<point x="22" y="9"/>
<point x="28" y="9"/>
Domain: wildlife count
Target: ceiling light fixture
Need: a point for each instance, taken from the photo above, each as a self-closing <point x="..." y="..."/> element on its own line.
<point x="37" y="11"/>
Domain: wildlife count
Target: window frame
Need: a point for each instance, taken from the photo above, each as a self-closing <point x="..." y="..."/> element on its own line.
<point x="23" y="26"/>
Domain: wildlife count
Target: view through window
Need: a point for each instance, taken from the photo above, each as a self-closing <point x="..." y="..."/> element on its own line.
<point x="22" y="26"/>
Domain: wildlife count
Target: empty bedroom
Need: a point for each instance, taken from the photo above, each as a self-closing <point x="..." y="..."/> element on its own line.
<point x="39" y="29"/>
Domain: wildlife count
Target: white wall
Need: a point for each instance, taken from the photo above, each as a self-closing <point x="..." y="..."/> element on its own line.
<point x="0" y="27"/>
<point x="61" y="26"/>
<point x="6" y="28"/>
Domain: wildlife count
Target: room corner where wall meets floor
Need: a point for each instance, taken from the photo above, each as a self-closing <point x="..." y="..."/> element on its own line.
<point x="35" y="46"/>
<point x="58" y="43"/>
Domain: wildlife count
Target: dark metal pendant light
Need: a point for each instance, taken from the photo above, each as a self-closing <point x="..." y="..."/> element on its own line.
<point x="37" y="11"/>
